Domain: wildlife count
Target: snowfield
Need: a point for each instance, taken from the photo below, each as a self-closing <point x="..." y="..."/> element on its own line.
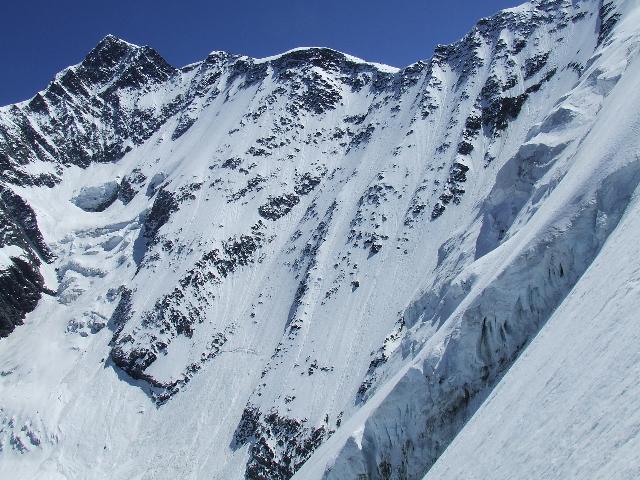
<point x="311" y="266"/>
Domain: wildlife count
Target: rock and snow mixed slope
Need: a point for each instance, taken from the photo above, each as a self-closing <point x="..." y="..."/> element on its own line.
<point x="306" y="263"/>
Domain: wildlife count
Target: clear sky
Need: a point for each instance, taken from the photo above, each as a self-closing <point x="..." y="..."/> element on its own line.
<point x="40" y="37"/>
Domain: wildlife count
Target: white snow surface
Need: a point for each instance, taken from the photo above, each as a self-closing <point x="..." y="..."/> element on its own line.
<point x="568" y="408"/>
<point x="332" y="258"/>
<point x="7" y="253"/>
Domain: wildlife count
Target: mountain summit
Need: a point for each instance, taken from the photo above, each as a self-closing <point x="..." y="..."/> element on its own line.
<point x="312" y="266"/>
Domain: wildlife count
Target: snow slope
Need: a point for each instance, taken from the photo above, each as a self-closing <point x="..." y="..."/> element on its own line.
<point x="582" y="190"/>
<point x="306" y="263"/>
<point x="568" y="407"/>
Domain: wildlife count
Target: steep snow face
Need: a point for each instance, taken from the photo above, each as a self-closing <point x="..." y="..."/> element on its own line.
<point x="568" y="409"/>
<point x="248" y="261"/>
<point x="551" y="210"/>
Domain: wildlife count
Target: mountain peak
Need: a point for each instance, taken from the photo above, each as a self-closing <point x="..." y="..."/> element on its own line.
<point x="111" y="41"/>
<point x="324" y="57"/>
<point x="114" y="58"/>
<point x="106" y="55"/>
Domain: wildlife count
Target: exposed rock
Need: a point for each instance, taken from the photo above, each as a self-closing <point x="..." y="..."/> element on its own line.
<point x="278" y="207"/>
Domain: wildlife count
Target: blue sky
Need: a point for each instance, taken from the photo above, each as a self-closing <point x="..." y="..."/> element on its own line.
<point x="40" y="37"/>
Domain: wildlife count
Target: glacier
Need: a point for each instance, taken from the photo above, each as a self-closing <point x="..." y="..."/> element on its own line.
<point x="312" y="266"/>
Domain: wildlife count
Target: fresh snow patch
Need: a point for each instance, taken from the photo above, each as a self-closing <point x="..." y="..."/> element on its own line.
<point x="7" y="253"/>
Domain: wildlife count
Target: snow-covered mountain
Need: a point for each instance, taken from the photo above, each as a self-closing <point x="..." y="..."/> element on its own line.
<point x="317" y="266"/>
